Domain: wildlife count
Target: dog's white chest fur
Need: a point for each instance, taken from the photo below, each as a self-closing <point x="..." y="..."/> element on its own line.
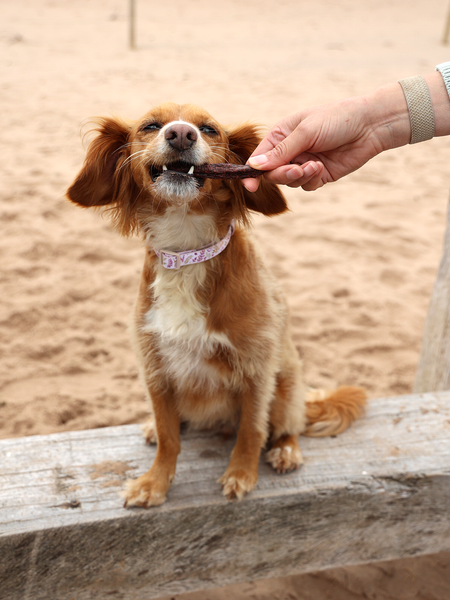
<point x="177" y="317"/>
<point x="183" y="339"/>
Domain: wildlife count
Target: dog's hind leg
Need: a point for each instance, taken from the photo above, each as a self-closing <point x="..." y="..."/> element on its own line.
<point x="285" y="454"/>
<point x="149" y="430"/>
<point x="241" y="475"/>
<point x="287" y="417"/>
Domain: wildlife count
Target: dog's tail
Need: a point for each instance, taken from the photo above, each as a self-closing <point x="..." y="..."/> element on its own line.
<point x="332" y="412"/>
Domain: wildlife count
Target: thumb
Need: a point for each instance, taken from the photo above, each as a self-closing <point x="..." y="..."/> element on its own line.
<point x="281" y="153"/>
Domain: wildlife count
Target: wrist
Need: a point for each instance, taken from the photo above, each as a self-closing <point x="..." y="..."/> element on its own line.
<point x="389" y="116"/>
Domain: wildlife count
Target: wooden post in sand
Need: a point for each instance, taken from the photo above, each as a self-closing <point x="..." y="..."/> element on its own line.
<point x="433" y="372"/>
<point x="131" y="17"/>
<point x="447" y="29"/>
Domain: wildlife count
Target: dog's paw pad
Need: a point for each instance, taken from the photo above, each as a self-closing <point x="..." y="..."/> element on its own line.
<point x="149" y="429"/>
<point x="237" y="483"/>
<point x="141" y="493"/>
<point x="284" y="459"/>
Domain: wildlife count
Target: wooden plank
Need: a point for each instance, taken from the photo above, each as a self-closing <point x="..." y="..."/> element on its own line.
<point x="433" y="372"/>
<point x="379" y="491"/>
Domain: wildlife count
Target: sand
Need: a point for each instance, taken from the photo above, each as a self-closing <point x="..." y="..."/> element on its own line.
<point x="357" y="259"/>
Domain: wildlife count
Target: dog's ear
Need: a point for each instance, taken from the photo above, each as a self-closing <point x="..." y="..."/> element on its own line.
<point x="106" y="178"/>
<point x="268" y="199"/>
<point x="100" y="181"/>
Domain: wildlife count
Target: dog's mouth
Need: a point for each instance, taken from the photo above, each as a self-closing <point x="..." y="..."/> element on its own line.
<point x="178" y="172"/>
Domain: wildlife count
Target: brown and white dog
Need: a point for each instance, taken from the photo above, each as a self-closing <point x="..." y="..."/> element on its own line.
<point x="210" y="326"/>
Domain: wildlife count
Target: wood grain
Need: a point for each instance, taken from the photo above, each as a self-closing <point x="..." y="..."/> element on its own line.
<point x="433" y="372"/>
<point x="379" y="491"/>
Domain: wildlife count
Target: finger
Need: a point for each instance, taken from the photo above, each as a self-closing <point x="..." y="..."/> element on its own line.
<point x="265" y="146"/>
<point x="281" y="154"/>
<point x="317" y="181"/>
<point x="251" y="184"/>
<point x="294" y="175"/>
<point x="285" y="175"/>
<point x="280" y="132"/>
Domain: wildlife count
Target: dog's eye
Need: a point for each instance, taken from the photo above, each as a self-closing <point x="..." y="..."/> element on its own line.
<point x="208" y="130"/>
<point x="151" y="126"/>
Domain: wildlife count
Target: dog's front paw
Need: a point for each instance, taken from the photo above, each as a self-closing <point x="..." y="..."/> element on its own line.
<point x="147" y="490"/>
<point x="237" y="482"/>
<point x="284" y="459"/>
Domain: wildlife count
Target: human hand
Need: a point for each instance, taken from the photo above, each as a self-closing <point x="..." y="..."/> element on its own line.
<point x="321" y="144"/>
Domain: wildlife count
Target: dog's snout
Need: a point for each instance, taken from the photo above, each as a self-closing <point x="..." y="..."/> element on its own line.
<point x="181" y="136"/>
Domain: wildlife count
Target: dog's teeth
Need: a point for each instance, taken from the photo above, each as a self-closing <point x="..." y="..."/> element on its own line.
<point x="191" y="170"/>
<point x="164" y="168"/>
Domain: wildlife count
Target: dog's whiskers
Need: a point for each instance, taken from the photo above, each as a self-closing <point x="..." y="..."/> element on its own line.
<point x="132" y="157"/>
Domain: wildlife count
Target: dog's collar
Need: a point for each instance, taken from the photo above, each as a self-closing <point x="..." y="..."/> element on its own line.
<point x="176" y="260"/>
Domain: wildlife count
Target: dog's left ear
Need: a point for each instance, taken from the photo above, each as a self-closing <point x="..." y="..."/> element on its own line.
<point x="101" y="181"/>
<point x="268" y="199"/>
<point x="106" y="178"/>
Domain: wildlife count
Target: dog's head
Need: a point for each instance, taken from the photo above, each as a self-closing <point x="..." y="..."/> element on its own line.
<point x="139" y="169"/>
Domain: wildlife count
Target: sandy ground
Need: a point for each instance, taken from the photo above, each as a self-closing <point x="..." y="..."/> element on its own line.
<point x="357" y="259"/>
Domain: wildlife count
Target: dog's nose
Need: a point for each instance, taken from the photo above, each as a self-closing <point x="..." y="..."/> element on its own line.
<point x="181" y="136"/>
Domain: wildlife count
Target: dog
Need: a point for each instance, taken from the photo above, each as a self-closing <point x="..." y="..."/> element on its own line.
<point x="210" y="326"/>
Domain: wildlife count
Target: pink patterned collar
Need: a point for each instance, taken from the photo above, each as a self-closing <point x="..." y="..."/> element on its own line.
<point x="175" y="260"/>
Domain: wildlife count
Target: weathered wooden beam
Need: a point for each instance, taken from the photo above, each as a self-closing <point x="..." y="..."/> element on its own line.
<point x="433" y="372"/>
<point x="132" y="24"/>
<point x="379" y="491"/>
<point x="446" y="29"/>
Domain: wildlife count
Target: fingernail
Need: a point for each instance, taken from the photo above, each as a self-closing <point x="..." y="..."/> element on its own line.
<point x="309" y="169"/>
<point x="294" y="173"/>
<point x="257" y="161"/>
